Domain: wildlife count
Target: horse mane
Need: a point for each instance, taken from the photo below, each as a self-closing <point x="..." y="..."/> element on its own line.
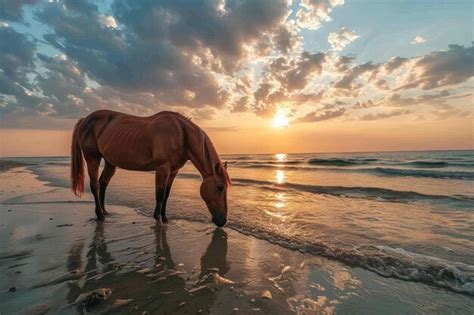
<point x="207" y="152"/>
<point x="208" y="147"/>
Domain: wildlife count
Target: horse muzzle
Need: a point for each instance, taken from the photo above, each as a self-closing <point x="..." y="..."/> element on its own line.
<point x="219" y="220"/>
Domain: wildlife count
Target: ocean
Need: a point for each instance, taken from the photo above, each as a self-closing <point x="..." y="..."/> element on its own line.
<point x="406" y="215"/>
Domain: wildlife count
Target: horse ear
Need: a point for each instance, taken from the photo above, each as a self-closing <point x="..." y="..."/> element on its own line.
<point x="225" y="164"/>
<point x="217" y="168"/>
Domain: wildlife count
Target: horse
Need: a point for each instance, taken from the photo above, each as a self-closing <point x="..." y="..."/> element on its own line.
<point x="163" y="143"/>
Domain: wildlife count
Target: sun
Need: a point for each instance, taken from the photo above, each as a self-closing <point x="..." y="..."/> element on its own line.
<point x="280" y="119"/>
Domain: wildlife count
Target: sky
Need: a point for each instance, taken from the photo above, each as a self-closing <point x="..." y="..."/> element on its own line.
<point x="257" y="76"/>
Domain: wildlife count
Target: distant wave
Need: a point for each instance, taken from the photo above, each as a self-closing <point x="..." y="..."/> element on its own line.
<point x="338" y="166"/>
<point x="375" y="193"/>
<point x="266" y="162"/>
<point x="334" y="162"/>
<point x="428" y="164"/>
<point x="423" y="173"/>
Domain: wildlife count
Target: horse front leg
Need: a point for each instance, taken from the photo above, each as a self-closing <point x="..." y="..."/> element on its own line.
<point x="161" y="180"/>
<point x="167" y="194"/>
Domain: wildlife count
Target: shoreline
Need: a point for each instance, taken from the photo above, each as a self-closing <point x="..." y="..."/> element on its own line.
<point x="160" y="268"/>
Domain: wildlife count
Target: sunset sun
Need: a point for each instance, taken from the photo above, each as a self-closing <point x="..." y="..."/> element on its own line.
<point x="280" y="119"/>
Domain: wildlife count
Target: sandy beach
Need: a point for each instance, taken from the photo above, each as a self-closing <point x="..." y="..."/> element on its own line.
<point x="53" y="254"/>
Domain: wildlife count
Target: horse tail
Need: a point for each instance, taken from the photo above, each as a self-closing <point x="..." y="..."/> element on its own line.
<point x="77" y="162"/>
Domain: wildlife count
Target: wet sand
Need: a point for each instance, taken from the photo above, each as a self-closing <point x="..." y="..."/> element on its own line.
<point x="52" y="251"/>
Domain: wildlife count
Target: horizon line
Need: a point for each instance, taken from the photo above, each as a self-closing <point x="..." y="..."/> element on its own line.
<point x="227" y="154"/>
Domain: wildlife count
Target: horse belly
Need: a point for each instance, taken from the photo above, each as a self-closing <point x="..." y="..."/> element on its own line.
<point x="127" y="152"/>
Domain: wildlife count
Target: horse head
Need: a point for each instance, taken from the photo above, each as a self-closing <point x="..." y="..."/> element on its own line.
<point x="214" y="193"/>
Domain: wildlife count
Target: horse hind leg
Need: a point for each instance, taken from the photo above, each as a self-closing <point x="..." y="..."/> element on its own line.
<point x="104" y="180"/>
<point x="93" y="163"/>
<point x="161" y="180"/>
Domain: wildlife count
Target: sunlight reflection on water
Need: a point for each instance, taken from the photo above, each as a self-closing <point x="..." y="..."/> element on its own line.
<point x="280" y="176"/>
<point x="280" y="157"/>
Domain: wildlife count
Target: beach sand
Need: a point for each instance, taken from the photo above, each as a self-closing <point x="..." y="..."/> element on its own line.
<point x="52" y="251"/>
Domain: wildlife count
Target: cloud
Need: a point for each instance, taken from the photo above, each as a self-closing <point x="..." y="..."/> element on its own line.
<point x="342" y="38"/>
<point x="370" y="117"/>
<point x="203" y="57"/>
<point x="325" y="115"/>
<point x="203" y="113"/>
<point x="441" y="68"/>
<point x="312" y="13"/>
<point x="309" y="63"/>
<point x="347" y="81"/>
<point x="108" y="21"/>
<point x="398" y="100"/>
<point x="363" y="105"/>
<point x="173" y="51"/>
<point x="343" y="62"/>
<point x="394" y="63"/>
<point x="286" y="38"/>
<point x="418" y="40"/>
<point x="12" y="10"/>
<point x="16" y="61"/>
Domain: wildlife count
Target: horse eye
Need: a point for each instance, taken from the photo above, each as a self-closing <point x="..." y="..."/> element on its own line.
<point x="220" y="187"/>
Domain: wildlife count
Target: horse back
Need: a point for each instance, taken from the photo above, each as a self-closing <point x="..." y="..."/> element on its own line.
<point x="137" y="143"/>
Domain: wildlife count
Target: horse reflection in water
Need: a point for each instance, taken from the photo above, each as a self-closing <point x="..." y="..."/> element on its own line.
<point x="216" y="254"/>
<point x="161" y="294"/>
<point x="97" y="254"/>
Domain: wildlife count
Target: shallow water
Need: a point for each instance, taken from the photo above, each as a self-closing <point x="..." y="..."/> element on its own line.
<point x="407" y="215"/>
<point x="52" y="250"/>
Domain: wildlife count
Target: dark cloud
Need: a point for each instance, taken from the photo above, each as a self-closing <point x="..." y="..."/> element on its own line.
<point x="394" y="63"/>
<point x="286" y="38"/>
<point x="17" y="57"/>
<point x="325" y="115"/>
<point x="308" y="64"/>
<point x="442" y="68"/>
<point x="342" y="63"/>
<point x="168" y="48"/>
<point x="12" y="10"/>
<point x="397" y="99"/>
<point x="16" y="61"/>
<point x="241" y="105"/>
<point x="224" y="30"/>
<point x="347" y="81"/>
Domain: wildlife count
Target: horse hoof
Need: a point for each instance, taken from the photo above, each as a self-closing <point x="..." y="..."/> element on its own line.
<point x="105" y="212"/>
<point x="164" y="220"/>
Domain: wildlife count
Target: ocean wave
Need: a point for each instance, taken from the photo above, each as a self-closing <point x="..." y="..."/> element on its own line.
<point x="423" y="173"/>
<point x="373" y="193"/>
<point x="266" y="162"/>
<point x="335" y="162"/>
<point x="428" y="164"/>
<point x="384" y="260"/>
<point x="339" y="166"/>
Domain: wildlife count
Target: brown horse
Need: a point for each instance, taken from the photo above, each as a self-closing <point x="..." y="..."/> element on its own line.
<point x="161" y="143"/>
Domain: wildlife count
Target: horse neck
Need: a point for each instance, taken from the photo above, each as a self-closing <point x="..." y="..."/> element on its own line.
<point x="200" y="149"/>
